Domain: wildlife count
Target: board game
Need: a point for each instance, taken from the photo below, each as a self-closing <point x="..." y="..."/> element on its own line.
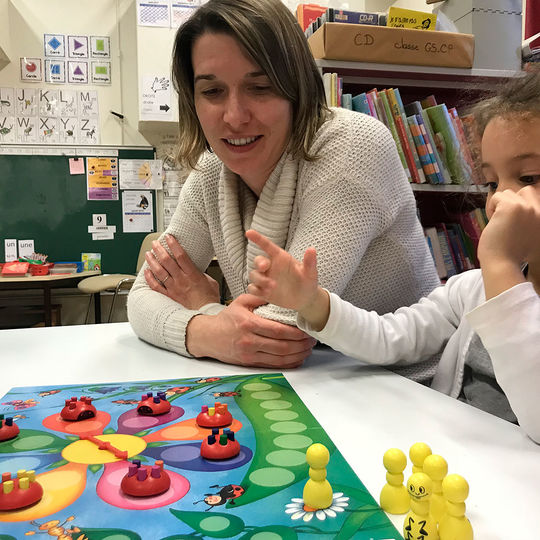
<point x="257" y="494"/>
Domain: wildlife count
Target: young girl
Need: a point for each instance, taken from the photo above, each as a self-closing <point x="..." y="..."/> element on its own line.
<point x="486" y="322"/>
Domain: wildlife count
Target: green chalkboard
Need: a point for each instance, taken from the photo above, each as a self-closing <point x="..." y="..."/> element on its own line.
<point x="41" y="200"/>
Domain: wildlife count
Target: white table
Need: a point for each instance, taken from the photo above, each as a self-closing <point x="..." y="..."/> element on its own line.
<point x="364" y="410"/>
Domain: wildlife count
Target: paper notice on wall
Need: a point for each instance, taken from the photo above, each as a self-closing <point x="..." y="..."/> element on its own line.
<point x="138" y="215"/>
<point x="102" y="179"/>
<point x="76" y="166"/>
<point x="156" y="98"/>
<point x="141" y="173"/>
<point x="182" y="11"/>
<point x="26" y="248"/>
<point x="10" y="250"/>
<point x="154" y="13"/>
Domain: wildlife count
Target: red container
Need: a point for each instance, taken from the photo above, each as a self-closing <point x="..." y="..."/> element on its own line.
<point x="40" y="269"/>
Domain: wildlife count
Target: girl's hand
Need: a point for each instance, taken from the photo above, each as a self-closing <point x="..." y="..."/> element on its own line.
<point x="173" y="274"/>
<point x="282" y="280"/>
<point x="279" y="278"/>
<point x="511" y="238"/>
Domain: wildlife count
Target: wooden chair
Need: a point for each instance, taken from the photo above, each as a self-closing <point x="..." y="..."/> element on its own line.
<point x="95" y="285"/>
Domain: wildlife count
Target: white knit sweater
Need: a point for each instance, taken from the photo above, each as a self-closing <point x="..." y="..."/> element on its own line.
<point x="354" y="205"/>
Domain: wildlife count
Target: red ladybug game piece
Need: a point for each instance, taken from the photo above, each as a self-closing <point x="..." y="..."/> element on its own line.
<point x="8" y="428"/>
<point x="75" y="411"/>
<point x="214" y="417"/>
<point x="151" y="405"/>
<point x="145" y="480"/>
<point x="19" y="492"/>
<point x="217" y="446"/>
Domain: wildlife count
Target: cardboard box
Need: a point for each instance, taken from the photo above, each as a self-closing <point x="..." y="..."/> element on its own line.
<point x="365" y="43"/>
<point x="497" y="29"/>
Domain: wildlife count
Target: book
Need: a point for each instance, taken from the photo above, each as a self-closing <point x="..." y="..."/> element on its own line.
<point x="327" y="83"/>
<point x="444" y="174"/>
<point x="446" y="250"/>
<point x="463" y="247"/>
<point x="373" y="95"/>
<point x="472" y="136"/>
<point x="346" y="101"/>
<point x="453" y="156"/>
<point x="481" y="218"/>
<point x="430" y="145"/>
<point x="429" y="168"/>
<point x="333" y="89"/>
<point x="431" y="234"/>
<point x="459" y="259"/>
<point x="371" y="105"/>
<point x="474" y="168"/>
<point x="389" y="121"/>
<point x="414" y="107"/>
<point x="429" y="101"/>
<point x="360" y="103"/>
<point x="472" y="231"/>
<point x="404" y="132"/>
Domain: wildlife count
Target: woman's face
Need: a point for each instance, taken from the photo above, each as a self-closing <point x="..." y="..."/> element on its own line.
<point x="243" y="118"/>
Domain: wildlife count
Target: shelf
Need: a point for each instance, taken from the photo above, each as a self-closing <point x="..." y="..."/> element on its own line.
<point x="417" y="76"/>
<point x="469" y="189"/>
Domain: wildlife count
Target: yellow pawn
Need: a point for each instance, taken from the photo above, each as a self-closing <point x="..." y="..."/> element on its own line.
<point x="317" y="491"/>
<point x="418" y="452"/>
<point x="436" y="468"/>
<point x="418" y="523"/>
<point x="454" y="525"/>
<point x="394" y="497"/>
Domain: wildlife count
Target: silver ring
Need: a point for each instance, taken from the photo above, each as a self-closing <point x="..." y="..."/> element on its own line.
<point x="163" y="281"/>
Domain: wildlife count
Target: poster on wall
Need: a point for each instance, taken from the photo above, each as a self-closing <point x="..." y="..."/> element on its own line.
<point x="54" y="45"/>
<point x="141" y="173"/>
<point x="156" y="98"/>
<point x="153" y="13"/>
<point x="102" y="179"/>
<point x="32" y="115"/>
<point x="31" y="69"/>
<point x="138" y="215"/>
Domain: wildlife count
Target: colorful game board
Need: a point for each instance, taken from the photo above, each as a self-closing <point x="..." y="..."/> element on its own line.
<point x="257" y="494"/>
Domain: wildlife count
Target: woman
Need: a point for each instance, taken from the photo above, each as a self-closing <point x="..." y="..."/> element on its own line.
<point x="281" y="162"/>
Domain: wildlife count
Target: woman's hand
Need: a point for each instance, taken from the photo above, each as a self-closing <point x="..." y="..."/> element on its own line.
<point x="238" y="336"/>
<point x="174" y="275"/>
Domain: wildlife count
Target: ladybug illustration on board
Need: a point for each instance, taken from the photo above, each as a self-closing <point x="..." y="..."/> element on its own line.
<point x="226" y="493"/>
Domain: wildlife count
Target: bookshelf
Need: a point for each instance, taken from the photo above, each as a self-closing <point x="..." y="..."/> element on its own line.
<point x="456" y="87"/>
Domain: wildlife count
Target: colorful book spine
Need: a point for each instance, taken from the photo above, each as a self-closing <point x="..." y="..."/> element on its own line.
<point x="327" y="83"/>
<point x="442" y="123"/>
<point x="371" y="104"/>
<point x="333" y="90"/>
<point x="360" y="104"/>
<point x="446" y="251"/>
<point x="410" y="169"/>
<point x="446" y="178"/>
<point x="399" y="113"/>
<point x="430" y="168"/>
<point x="346" y="101"/>
<point x="476" y="174"/>
<point x="431" y="149"/>
<point x="438" y="259"/>
<point x="429" y="101"/>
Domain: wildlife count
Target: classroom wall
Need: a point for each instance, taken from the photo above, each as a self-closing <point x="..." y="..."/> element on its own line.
<point x="28" y="20"/>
